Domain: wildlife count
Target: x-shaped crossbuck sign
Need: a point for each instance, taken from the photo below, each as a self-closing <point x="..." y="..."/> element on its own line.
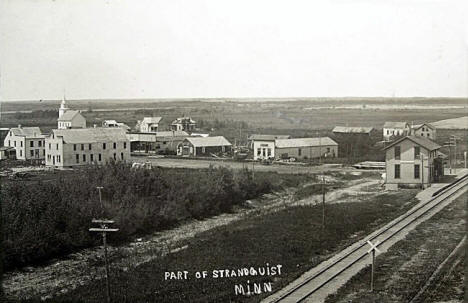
<point x="373" y="246"/>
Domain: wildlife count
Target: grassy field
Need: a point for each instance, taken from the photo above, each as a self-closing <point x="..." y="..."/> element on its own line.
<point x="404" y="269"/>
<point x="291" y="238"/>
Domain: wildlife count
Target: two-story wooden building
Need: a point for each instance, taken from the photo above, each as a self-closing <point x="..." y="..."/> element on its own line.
<point x="27" y="141"/>
<point x="412" y="161"/>
<point x="77" y="147"/>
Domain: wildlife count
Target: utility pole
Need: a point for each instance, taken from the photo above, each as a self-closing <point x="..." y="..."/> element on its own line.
<point x="99" y="188"/>
<point x="323" y="202"/>
<point x="104" y="229"/>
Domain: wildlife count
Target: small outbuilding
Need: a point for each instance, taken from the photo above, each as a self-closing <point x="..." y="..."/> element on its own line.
<point x="203" y="146"/>
<point x="7" y="152"/>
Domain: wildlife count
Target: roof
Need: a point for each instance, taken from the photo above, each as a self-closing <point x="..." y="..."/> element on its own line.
<point x="268" y="137"/>
<point x="421" y="125"/>
<point x="151" y="120"/>
<point x="352" y="130"/>
<point x="304" y="142"/>
<point x="391" y="124"/>
<point x="109" y="121"/>
<point x="208" y="141"/>
<point x="177" y="133"/>
<point x="91" y="135"/>
<point x="27" y="132"/>
<point x="183" y="119"/>
<point x="68" y="115"/>
<point x="421" y="141"/>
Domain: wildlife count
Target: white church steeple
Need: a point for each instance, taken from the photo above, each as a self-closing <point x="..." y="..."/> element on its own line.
<point x="63" y="106"/>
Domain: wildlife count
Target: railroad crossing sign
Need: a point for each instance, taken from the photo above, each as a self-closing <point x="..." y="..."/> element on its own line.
<point x="372" y="250"/>
<point x="373" y="246"/>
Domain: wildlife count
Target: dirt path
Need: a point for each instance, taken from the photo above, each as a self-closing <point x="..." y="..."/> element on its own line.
<point x="82" y="267"/>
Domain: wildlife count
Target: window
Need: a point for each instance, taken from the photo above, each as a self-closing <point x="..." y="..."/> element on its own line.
<point x="397" y="152"/>
<point x="121" y="156"/>
<point x="125" y="145"/>
<point x="259" y="151"/>
<point x="82" y="146"/>
<point x="77" y="158"/>
<point x="269" y="152"/>
<point x="50" y="145"/>
<point x="14" y="143"/>
<point x="43" y="152"/>
<point x="299" y="151"/>
<point x="115" y="145"/>
<point x="31" y="143"/>
<point x="328" y="149"/>
<point x="84" y="158"/>
<point x="91" y="157"/>
<point x="21" y="142"/>
<point x="388" y="132"/>
<point x="21" y="152"/>
<point x="32" y="153"/>
<point x="103" y="145"/>
<point x="89" y="146"/>
<point x="99" y="158"/>
<point x="397" y="171"/>
<point x="9" y="144"/>
<point x="56" y="146"/>
<point x="58" y="159"/>
<point x="115" y="156"/>
<point x="417" y="152"/>
<point x="39" y="143"/>
<point x="74" y="146"/>
<point x="416" y="171"/>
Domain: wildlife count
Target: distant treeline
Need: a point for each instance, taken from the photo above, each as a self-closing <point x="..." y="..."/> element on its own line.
<point x="45" y="219"/>
<point x="49" y="113"/>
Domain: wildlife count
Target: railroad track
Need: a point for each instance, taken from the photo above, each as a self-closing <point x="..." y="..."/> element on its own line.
<point x="339" y="265"/>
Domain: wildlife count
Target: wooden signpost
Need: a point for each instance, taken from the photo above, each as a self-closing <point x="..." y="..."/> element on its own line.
<point x="372" y="250"/>
<point x="104" y="229"/>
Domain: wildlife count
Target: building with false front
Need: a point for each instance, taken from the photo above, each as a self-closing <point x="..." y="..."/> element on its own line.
<point x="164" y="142"/>
<point x="263" y="146"/>
<point x="77" y="147"/>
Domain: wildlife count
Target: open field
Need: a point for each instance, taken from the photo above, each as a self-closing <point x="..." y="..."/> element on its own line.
<point x="404" y="269"/>
<point x="290" y="237"/>
<point x="303" y="114"/>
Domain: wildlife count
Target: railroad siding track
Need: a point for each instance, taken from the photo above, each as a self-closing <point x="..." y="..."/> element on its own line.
<point x="315" y="285"/>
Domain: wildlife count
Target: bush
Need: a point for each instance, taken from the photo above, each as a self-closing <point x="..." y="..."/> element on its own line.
<point x="43" y="220"/>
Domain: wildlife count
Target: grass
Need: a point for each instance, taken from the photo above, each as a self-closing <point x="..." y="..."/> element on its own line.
<point x="403" y="270"/>
<point x="291" y="237"/>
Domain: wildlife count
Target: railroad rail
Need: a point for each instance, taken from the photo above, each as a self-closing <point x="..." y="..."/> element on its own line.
<point x="305" y="289"/>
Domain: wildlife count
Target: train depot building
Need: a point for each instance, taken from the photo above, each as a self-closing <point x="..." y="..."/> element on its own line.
<point x="412" y="161"/>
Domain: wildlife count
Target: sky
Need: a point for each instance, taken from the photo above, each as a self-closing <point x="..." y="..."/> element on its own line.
<point x="100" y="49"/>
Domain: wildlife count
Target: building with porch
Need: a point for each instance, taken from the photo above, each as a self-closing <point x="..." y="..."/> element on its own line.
<point x="28" y="142"/>
<point x="149" y="124"/>
<point x="412" y="161"/>
<point x="164" y="142"/>
<point x="183" y="124"/>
